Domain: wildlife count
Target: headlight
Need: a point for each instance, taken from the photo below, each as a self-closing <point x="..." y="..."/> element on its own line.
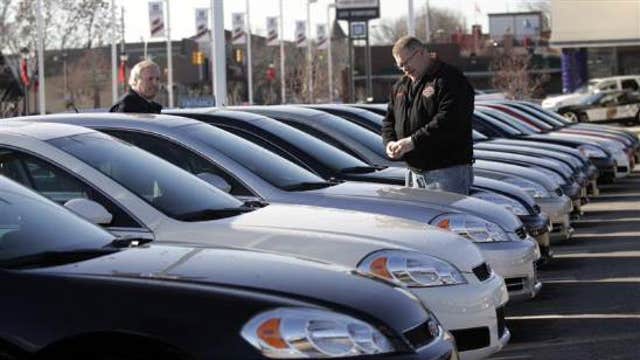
<point x="592" y="151"/>
<point x="512" y="205"/>
<point x="295" y="333"/>
<point x="411" y="269"/>
<point x="530" y="187"/>
<point x="550" y="173"/>
<point x="471" y="227"/>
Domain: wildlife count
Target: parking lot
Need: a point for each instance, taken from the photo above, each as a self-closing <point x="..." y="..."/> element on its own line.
<point x="589" y="307"/>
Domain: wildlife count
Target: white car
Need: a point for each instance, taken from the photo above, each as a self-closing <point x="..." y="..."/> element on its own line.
<point x="626" y="82"/>
<point x="147" y="197"/>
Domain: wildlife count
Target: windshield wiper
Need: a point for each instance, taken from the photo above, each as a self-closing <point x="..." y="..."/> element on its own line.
<point x="54" y="258"/>
<point x="309" y="185"/>
<point x="213" y="214"/>
<point x="358" y="170"/>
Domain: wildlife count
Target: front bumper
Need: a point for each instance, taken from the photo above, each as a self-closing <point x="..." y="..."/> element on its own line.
<point x="558" y="210"/>
<point x="469" y="309"/>
<point x="442" y="348"/>
<point x="514" y="261"/>
<point x="538" y="226"/>
<point x="623" y="165"/>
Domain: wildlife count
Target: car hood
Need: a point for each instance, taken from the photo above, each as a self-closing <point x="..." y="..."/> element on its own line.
<point x="339" y="236"/>
<point x="319" y="282"/>
<point x="485" y="183"/>
<point x="423" y="200"/>
<point x="492" y="169"/>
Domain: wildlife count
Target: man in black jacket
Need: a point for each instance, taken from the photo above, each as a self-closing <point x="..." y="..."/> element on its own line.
<point x="428" y="122"/>
<point x="144" y="83"/>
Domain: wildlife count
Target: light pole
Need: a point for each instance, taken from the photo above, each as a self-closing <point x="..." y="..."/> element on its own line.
<point x="309" y="59"/>
<point x="329" y="51"/>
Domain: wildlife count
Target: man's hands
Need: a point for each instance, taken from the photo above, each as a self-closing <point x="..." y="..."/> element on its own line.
<point x="396" y="149"/>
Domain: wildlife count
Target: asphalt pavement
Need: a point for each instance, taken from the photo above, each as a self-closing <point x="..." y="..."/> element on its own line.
<point x="589" y="306"/>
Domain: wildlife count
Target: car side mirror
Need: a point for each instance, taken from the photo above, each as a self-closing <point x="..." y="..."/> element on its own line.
<point x="215" y="180"/>
<point x="90" y="210"/>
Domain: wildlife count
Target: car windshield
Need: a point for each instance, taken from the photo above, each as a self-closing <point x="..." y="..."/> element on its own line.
<point x="493" y="117"/>
<point x="171" y="190"/>
<point x="540" y="114"/>
<point x="272" y="168"/>
<point x="368" y="139"/>
<point x="591" y="99"/>
<point x="30" y="224"/>
<point x="327" y="155"/>
<point x="515" y="123"/>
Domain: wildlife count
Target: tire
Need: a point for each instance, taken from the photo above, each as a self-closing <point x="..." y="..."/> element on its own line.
<point x="571" y="116"/>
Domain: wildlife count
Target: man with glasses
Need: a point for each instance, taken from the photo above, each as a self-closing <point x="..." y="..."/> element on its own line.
<point x="428" y="121"/>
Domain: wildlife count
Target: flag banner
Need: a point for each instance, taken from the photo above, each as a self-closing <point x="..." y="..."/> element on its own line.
<point x="301" y="33"/>
<point x="24" y="73"/>
<point x="322" y="42"/>
<point x="202" y="21"/>
<point x="238" y="33"/>
<point x="272" y="31"/>
<point x="156" y="19"/>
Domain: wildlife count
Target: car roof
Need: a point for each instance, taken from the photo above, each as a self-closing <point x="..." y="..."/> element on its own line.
<point x="39" y="130"/>
<point x="621" y="77"/>
<point x="105" y="118"/>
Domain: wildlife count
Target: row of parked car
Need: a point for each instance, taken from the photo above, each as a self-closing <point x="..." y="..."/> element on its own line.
<point x="279" y="232"/>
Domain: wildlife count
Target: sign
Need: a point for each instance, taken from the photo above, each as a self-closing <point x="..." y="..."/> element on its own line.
<point x="301" y="33"/>
<point x="156" y="18"/>
<point x="238" y="34"/>
<point x="322" y="42"/>
<point x="202" y="21"/>
<point x="272" y="31"/>
<point x="358" y="30"/>
<point x="357" y="10"/>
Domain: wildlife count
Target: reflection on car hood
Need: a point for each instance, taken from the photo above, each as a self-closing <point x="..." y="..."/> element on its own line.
<point x="423" y="200"/>
<point x="339" y="236"/>
<point x="254" y="270"/>
<point x="488" y="168"/>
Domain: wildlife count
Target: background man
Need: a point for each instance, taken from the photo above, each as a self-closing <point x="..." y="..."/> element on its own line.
<point x="428" y="122"/>
<point x="144" y="83"/>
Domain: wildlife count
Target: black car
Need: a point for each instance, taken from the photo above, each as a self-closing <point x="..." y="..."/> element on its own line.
<point x="74" y="291"/>
<point x="623" y="106"/>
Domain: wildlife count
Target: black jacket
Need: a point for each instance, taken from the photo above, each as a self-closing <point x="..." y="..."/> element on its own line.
<point x="436" y="113"/>
<point x="132" y="102"/>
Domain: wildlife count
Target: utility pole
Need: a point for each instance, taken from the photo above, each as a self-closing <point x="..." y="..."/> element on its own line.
<point x="309" y="57"/>
<point x="169" y="57"/>
<point x="411" y="20"/>
<point x="218" y="47"/>
<point x="41" y="92"/>
<point x="283" y="90"/>
<point x="114" y="57"/>
<point x="329" y="51"/>
<point x="249" y="60"/>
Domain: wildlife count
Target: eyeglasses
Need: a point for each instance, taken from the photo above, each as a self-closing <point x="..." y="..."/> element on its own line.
<point x="402" y="65"/>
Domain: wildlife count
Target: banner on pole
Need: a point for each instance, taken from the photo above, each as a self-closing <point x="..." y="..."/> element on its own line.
<point x="321" y="37"/>
<point x="156" y="19"/>
<point x="238" y="34"/>
<point x="301" y="33"/>
<point x="272" y="31"/>
<point x="202" y="22"/>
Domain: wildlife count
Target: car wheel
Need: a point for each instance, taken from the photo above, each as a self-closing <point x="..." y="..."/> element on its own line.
<point x="571" y="116"/>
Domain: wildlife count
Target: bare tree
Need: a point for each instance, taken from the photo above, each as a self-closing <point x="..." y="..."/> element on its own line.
<point x="513" y="76"/>
<point x="442" y="21"/>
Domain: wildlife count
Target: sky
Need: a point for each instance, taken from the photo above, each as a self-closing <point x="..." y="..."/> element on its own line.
<point x="183" y="13"/>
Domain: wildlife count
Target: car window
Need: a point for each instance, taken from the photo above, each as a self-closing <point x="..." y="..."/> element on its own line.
<point x="607" y="85"/>
<point x="318" y="134"/>
<point x="274" y="169"/>
<point x="169" y="189"/>
<point x="180" y="156"/>
<point x="630" y="84"/>
<point x="31" y="225"/>
<point x="56" y="184"/>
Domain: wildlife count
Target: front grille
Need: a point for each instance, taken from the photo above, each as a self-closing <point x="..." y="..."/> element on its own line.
<point x="482" y="271"/>
<point x="515" y="284"/>
<point x="623" y="169"/>
<point x="559" y="192"/>
<point x="521" y="232"/>
<point x="472" y="338"/>
<point x="502" y="323"/>
<point x="421" y="335"/>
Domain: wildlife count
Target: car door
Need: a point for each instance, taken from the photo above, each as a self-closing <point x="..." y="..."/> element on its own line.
<point x="61" y="186"/>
